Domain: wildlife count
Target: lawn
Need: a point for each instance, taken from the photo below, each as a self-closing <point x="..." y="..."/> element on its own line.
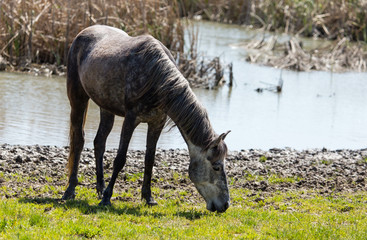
<point x="252" y="215"/>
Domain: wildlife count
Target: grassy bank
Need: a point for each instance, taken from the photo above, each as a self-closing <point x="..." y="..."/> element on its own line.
<point x="286" y="215"/>
<point x="275" y="194"/>
<point x="320" y="18"/>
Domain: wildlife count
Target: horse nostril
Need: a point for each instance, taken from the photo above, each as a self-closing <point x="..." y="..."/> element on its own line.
<point x="212" y="208"/>
<point x="226" y="205"/>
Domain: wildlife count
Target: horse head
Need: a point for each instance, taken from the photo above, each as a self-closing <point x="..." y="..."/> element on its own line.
<point x="207" y="172"/>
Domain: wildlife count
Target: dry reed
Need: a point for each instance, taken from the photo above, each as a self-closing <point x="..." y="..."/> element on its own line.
<point x="339" y="57"/>
<point x="41" y="31"/>
<point x="321" y="18"/>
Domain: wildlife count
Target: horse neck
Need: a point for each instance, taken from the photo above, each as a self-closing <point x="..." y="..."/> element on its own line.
<point x="190" y="116"/>
<point x="177" y="98"/>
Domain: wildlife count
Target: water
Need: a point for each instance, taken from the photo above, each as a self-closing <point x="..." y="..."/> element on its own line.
<point x="314" y="110"/>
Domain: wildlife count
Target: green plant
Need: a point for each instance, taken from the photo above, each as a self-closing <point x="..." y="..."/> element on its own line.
<point x="326" y="162"/>
<point x="263" y="159"/>
<point x="134" y="177"/>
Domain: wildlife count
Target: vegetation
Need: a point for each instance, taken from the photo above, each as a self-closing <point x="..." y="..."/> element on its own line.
<point x="263" y="159"/>
<point x="344" y="21"/>
<point x="337" y="56"/>
<point x="42" y="30"/>
<point x="320" y="18"/>
<point x="34" y="211"/>
<point x="281" y="215"/>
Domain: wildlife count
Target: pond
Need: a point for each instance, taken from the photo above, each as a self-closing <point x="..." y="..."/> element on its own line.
<point x="314" y="109"/>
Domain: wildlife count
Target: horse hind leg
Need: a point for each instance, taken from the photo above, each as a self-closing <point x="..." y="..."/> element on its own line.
<point x="104" y="129"/>
<point x="79" y="106"/>
<point x="154" y="131"/>
<point x="128" y="128"/>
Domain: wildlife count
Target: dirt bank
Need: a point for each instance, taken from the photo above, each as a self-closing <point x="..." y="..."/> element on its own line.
<point x="260" y="171"/>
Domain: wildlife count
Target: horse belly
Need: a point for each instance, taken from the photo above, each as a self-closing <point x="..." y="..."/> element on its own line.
<point x="104" y="88"/>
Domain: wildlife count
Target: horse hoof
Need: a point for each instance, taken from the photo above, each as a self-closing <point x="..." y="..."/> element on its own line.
<point x="100" y="194"/>
<point x="151" y="203"/>
<point x="100" y="189"/>
<point x="105" y="203"/>
<point x="67" y="196"/>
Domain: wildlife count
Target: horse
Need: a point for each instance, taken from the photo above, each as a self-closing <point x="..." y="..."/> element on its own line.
<point x="137" y="78"/>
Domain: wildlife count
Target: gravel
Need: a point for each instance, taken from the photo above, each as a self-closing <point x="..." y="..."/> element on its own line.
<point x="260" y="171"/>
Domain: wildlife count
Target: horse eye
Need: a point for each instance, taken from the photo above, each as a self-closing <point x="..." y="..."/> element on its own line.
<point x="217" y="167"/>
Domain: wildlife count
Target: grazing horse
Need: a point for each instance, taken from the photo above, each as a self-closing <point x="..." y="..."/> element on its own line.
<point x="137" y="78"/>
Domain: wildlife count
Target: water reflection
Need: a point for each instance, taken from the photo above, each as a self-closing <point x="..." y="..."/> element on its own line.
<point x="315" y="109"/>
<point x="32" y="110"/>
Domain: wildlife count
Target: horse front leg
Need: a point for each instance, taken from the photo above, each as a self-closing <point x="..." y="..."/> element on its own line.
<point x="154" y="131"/>
<point x="128" y="128"/>
<point x="104" y="129"/>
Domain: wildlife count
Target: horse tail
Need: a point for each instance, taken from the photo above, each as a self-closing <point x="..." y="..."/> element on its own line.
<point x="78" y="99"/>
<point x="72" y="144"/>
<point x="71" y="157"/>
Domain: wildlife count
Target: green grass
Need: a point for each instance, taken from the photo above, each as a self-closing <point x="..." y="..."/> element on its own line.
<point x="134" y="177"/>
<point x="326" y="162"/>
<point x="297" y="214"/>
<point x="263" y="159"/>
<point x="363" y="160"/>
<point x="273" y="178"/>
<point x="280" y="216"/>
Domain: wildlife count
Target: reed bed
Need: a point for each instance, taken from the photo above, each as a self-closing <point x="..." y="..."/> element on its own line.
<point x="41" y="31"/>
<point x="317" y="18"/>
<point x="344" y="21"/>
<point x="340" y="56"/>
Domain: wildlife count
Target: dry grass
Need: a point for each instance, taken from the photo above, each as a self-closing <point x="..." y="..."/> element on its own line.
<point x="42" y="30"/>
<point x="344" y="21"/>
<point x="340" y="56"/>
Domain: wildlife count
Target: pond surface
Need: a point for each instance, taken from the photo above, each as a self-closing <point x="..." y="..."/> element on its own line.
<point x="314" y="110"/>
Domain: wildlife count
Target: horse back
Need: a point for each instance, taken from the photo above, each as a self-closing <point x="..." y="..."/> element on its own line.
<point x="112" y="67"/>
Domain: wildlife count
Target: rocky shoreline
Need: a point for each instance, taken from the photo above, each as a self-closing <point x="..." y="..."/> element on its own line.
<point x="262" y="172"/>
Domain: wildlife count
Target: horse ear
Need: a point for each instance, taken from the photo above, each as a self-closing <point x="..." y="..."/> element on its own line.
<point x="219" y="139"/>
<point x="224" y="135"/>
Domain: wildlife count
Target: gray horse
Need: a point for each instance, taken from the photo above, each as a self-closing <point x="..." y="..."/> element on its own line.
<point x="137" y="78"/>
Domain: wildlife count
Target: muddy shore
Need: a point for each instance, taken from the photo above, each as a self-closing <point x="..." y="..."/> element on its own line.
<point x="262" y="172"/>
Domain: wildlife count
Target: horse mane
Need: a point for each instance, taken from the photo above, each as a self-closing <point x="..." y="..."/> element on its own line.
<point x="174" y="93"/>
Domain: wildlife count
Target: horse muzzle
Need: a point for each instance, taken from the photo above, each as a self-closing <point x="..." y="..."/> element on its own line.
<point x="219" y="208"/>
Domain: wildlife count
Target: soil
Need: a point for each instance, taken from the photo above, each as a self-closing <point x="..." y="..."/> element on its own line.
<point x="261" y="172"/>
